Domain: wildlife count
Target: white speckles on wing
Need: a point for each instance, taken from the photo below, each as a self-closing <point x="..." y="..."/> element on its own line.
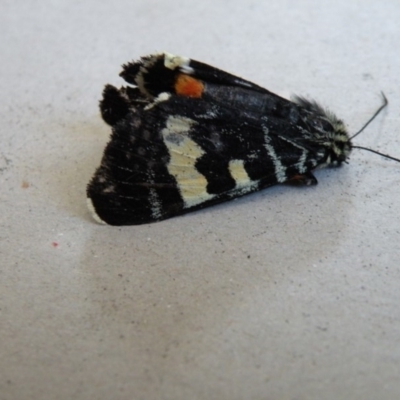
<point x="155" y="203"/>
<point x="240" y="82"/>
<point x="164" y="96"/>
<point x="300" y="166"/>
<point x="109" y="189"/>
<point x="280" y="170"/>
<point x="93" y="211"/>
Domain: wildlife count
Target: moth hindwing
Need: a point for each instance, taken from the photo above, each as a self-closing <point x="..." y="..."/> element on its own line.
<point x="186" y="135"/>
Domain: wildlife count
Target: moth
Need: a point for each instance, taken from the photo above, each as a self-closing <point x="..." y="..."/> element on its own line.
<point x="186" y="135"/>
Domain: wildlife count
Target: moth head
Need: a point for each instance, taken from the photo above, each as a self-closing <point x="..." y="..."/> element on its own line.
<point x="330" y="130"/>
<point x="338" y="141"/>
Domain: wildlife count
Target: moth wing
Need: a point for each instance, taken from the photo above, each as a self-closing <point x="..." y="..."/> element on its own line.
<point x="183" y="154"/>
<point x="157" y="73"/>
<point x="164" y="73"/>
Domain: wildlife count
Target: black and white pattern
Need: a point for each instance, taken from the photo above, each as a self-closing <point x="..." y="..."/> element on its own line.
<point x="187" y="136"/>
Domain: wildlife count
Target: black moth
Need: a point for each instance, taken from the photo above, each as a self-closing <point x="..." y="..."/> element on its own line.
<point x="187" y="135"/>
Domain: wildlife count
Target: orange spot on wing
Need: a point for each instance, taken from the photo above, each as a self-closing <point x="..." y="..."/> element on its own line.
<point x="185" y="85"/>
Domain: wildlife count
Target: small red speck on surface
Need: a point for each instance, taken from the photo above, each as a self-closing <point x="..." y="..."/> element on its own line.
<point x="55" y="244"/>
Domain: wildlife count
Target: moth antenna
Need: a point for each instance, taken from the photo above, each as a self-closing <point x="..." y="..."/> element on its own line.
<point x="385" y="103"/>
<point x="376" y="152"/>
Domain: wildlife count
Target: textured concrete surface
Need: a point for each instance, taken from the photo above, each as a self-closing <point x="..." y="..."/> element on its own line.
<point x="286" y="294"/>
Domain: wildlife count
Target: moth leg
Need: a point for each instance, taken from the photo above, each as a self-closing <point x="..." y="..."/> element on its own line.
<point x="306" y="179"/>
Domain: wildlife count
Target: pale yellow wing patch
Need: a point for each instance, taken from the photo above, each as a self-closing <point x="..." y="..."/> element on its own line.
<point x="244" y="183"/>
<point x="238" y="173"/>
<point x="184" y="153"/>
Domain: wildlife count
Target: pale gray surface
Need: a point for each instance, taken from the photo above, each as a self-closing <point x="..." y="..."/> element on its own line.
<point x="286" y="294"/>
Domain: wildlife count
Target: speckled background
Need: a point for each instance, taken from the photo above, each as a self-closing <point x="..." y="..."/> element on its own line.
<point x="291" y="293"/>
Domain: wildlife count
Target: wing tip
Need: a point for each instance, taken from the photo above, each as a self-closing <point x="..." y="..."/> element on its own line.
<point x="92" y="210"/>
